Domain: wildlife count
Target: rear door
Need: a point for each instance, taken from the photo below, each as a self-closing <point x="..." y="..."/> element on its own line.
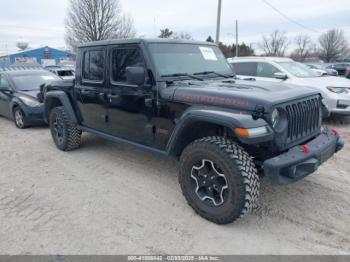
<point x="5" y="96"/>
<point x="91" y="88"/>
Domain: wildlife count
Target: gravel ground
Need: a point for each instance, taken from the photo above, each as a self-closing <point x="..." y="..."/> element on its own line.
<point x="107" y="198"/>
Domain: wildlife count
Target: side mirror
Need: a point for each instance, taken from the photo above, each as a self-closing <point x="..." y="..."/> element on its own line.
<point x="281" y="76"/>
<point x="135" y="75"/>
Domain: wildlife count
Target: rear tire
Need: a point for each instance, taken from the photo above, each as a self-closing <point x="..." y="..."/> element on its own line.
<point x="236" y="185"/>
<point x="19" y="118"/>
<point x="64" y="132"/>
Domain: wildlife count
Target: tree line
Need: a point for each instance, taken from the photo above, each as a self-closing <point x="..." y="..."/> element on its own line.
<point x="331" y="46"/>
<point x="94" y="20"/>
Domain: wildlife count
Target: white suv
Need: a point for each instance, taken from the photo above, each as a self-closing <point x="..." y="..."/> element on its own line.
<point x="335" y="90"/>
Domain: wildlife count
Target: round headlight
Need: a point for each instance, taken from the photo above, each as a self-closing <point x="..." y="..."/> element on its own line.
<point x="275" y="118"/>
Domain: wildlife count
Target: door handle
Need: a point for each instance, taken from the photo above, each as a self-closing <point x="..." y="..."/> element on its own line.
<point x="149" y="102"/>
<point x="102" y="96"/>
<point x="85" y="91"/>
<point x="111" y="96"/>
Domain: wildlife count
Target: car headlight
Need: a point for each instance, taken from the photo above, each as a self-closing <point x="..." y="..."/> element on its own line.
<point x="29" y="101"/>
<point x="275" y="118"/>
<point x="338" y="90"/>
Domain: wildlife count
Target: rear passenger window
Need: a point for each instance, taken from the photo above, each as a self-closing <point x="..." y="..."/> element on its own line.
<point x="245" y="69"/>
<point x="3" y="82"/>
<point x="94" y="65"/>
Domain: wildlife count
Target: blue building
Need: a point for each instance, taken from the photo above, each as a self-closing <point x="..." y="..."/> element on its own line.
<point x="39" y="56"/>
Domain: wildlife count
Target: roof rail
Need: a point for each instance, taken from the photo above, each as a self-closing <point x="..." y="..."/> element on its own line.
<point x="20" y="68"/>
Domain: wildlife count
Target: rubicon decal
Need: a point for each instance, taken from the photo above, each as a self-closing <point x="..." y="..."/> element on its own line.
<point x="212" y="100"/>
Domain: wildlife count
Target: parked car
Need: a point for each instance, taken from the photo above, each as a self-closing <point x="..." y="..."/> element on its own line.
<point x="335" y="90"/>
<point x="64" y="73"/>
<point x="180" y="99"/>
<point x="18" y="95"/>
<point x="339" y="67"/>
<point x="322" y="69"/>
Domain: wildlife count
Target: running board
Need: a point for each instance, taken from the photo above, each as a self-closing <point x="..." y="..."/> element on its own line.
<point x="122" y="140"/>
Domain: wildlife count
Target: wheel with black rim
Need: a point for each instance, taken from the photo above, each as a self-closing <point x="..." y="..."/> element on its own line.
<point x="218" y="179"/>
<point x="64" y="132"/>
<point x="19" y="117"/>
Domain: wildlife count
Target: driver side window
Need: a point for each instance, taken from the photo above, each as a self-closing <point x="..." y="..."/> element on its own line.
<point x="266" y="70"/>
<point x="123" y="58"/>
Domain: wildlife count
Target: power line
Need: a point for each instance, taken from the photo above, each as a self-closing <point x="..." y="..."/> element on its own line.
<point x="288" y="18"/>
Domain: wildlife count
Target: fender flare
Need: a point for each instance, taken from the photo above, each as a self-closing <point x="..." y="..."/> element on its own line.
<point x="14" y="103"/>
<point x="64" y="100"/>
<point x="217" y="116"/>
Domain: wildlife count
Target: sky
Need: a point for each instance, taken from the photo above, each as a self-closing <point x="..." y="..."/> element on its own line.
<point x="41" y="22"/>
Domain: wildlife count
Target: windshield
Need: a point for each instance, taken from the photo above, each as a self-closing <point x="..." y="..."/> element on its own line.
<point x="181" y="59"/>
<point x="32" y="82"/>
<point x="298" y="69"/>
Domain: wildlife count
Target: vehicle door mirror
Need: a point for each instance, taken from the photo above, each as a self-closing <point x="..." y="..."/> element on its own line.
<point x="135" y="75"/>
<point x="281" y="76"/>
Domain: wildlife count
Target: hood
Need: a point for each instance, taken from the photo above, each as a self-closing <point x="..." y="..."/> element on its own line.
<point x="32" y="93"/>
<point x="238" y="94"/>
<point x="325" y="81"/>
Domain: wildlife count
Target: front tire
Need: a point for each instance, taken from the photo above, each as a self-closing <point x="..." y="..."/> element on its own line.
<point x="218" y="179"/>
<point x="64" y="132"/>
<point x="19" y="118"/>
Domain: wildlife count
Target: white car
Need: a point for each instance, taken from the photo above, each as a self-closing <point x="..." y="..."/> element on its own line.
<point x="320" y="72"/>
<point x="64" y="73"/>
<point x="335" y="90"/>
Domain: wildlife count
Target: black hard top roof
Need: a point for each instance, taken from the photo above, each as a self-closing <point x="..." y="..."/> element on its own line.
<point x="143" y="40"/>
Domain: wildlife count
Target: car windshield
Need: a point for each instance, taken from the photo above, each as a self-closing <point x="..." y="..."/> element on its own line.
<point x="298" y="69"/>
<point x="189" y="59"/>
<point x="32" y="82"/>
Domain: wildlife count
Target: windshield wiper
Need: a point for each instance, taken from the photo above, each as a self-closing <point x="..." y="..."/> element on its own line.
<point x="183" y="74"/>
<point x="213" y="72"/>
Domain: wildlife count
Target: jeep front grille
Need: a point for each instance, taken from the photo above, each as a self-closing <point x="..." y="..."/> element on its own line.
<point x="303" y="118"/>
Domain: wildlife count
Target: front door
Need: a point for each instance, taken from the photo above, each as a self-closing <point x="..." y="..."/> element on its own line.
<point x="5" y="97"/>
<point x="91" y="89"/>
<point x="130" y="113"/>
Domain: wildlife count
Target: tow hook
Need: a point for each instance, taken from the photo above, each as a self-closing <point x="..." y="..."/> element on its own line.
<point x="258" y="112"/>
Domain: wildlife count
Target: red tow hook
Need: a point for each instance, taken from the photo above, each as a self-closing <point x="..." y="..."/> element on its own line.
<point x="335" y="132"/>
<point x="305" y="149"/>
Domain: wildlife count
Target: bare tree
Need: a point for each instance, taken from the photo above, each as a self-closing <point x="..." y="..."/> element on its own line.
<point x="333" y="45"/>
<point x="94" y="20"/>
<point x="275" y="44"/>
<point x="303" y="50"/>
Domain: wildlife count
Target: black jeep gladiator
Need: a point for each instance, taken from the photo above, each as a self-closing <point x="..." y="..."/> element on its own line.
<point x="181" y="99"/>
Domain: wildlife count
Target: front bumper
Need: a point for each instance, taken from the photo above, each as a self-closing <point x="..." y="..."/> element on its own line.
<point x="301" y="161"/>
<point x="342" y="108"/>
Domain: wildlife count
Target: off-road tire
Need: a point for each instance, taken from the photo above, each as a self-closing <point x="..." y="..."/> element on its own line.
<point x="23" y="124"/>
<point x="240" y="172"/>
<point x="71" y="136"/>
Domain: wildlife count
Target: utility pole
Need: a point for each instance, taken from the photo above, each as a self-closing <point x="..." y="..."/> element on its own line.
<point x="236" y="38"/>
<point x="218" y="22"/>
